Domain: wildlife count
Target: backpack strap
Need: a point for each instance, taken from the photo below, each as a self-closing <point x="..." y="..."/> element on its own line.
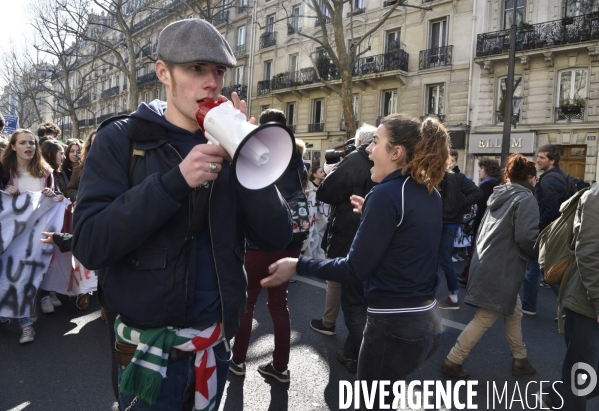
<point x="136" y="156"/>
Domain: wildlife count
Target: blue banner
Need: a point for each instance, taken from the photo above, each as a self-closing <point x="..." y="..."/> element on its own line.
<point x="12" y="123"/>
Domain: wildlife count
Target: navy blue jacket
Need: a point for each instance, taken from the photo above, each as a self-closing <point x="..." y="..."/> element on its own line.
<point x="551" y="192"/>
<point x="395" y="250"/>
<point x="137" y="235"/>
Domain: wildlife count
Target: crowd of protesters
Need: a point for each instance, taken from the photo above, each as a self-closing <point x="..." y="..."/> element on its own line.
<point x="384" y="220"/>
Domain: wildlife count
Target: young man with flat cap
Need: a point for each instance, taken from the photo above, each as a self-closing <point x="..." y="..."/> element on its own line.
<point x="161" y="214"/>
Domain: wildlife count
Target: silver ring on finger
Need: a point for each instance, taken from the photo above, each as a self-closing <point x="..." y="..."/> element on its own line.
<point x="213" y="167"/>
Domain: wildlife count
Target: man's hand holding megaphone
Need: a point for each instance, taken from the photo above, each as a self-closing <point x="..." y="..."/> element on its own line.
<point x="204" y="161"/>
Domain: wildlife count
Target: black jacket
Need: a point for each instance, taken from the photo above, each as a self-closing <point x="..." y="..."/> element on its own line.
<point x="551" y="192"/>
<point x="61" y="182"/>
<point x="351" y="176"/>
<point x="137" y="235"/>
<point x="481" y="205"/>
<point x="458" y="194"/>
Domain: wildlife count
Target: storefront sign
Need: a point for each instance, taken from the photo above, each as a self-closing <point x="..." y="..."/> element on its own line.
<point x="491" y="143"/>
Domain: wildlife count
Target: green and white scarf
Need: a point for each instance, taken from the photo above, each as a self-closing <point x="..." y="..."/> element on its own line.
<point x="143" y="376"/>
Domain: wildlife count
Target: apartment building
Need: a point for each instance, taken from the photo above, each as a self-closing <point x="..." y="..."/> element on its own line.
<point x="556" y="80"/>
<point x="417" y="62"/>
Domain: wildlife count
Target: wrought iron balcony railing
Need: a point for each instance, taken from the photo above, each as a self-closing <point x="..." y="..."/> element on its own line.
<point x="112" y="91"/>
<point x="569" y="113"/>
<point x="356" y="11"/>
<point x="315" y="128"/>
<point x="293" y="28"/>
<point x="501" y="117"/>
<point x="439" y="117"/>
<point x="240" y="89"/>
<point x="396" y="60"/>
<point x="67" y="127"/>
<point x="243" y="9"/>
<point x="81" y="123"/>
<point x="240" y="47"/>
<point x="268" y="39"/>
<point x="437" y="57"/>
<point x="84" y="101"/>
<point x="389" y="3"/>
<point x="264" y="87"/>
<point x="158" y="15"/>
<point x="569" y="30"/>
<point x="327" y="20"/>
<point x="146" y="78"/>
<point x="221" y="18"/>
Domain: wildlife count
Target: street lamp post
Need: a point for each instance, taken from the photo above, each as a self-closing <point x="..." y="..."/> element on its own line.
<point x="507" y="124"/>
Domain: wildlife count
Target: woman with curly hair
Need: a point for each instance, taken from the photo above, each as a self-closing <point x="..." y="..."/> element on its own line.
<point x="505" y="242"/>
<point x="73" y="155"/>
<point x="24" y="169"/>
<point x="395" y="250"/>
<point x="73" y="188"/>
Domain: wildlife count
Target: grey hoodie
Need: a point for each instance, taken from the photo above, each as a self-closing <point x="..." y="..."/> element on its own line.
<point x="504" y="244"/>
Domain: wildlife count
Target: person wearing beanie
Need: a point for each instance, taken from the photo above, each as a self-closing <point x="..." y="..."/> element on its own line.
<point x="161" y="215"/>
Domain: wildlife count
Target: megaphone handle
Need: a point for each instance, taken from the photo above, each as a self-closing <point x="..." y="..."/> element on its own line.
<point x="210" y="138"/>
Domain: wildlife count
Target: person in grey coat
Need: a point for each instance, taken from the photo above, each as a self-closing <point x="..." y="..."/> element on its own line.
<point x="505" y="242"/>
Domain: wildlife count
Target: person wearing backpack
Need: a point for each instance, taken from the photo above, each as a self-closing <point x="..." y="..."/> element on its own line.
<point x="458" y="194"/>
<point x="551" y="191"/>
<point x="256" y="267"/>
<point x="580" y="298"/>
<point x="170" y="242"/>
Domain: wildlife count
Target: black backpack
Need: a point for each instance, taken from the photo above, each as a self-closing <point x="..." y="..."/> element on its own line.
<point x="570" y="183"/>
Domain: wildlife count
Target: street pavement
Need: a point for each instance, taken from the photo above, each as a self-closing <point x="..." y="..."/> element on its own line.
<point x="68" y="365"/>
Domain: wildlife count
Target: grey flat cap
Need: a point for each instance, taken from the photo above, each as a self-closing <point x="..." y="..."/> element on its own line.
<point x="194" y="40"/>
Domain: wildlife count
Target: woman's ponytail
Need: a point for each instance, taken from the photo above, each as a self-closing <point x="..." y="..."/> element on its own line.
<point x="429" y="160"/>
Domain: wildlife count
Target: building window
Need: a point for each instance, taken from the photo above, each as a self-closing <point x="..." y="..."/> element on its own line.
<point x="435" y="99"/>
<point x="317" y="124"/>
<point x="290" y="113"/>
<point x="125" y="105"/>
<point x="264" y="107"/>
<point x="355" y="101"/>
<point x="389" y="102"/>
<point x="393" y="40"/>
<point x="157" y="94"/>
<point x="318" y="111"/>
<point x="508" y="12"/>
<point x="351" y="44"/>
<point x="572" y="94"/>
<point x="295" y="20"/>
<point x="239" y="75"/>
<point x="293" y="66"/>
<point x="438" y="34"/>
<point x="146" y="97"/>
<point x="502" y="96"/>
<point x="267" y="71"/>
<point x="270" y="23"/>
<point x="241" y="38"/>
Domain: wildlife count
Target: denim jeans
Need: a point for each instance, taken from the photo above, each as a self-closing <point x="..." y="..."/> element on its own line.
<point x="178" y="388"/>
<point x="25" y="322"/>
<point x="531" y="285"/>
<point x="354" y="308"/>
<point x="582" y="342"/>
<point x="445" y="252"/>
<point x="394" y="347"/>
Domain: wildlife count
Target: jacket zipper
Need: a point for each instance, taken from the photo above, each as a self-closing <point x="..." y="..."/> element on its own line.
<point x="222" y="305"/>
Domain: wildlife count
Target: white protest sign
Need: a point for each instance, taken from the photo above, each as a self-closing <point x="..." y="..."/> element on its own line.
<point x="23" y="257"/>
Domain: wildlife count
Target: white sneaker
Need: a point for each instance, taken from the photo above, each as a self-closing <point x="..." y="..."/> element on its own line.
<point x="47" y="306"/>
<point x="55" y="301"/>
<point x="27" y="335"/>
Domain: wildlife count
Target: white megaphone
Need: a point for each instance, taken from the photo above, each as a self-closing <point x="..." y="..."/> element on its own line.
<point x="260" y="154"/>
